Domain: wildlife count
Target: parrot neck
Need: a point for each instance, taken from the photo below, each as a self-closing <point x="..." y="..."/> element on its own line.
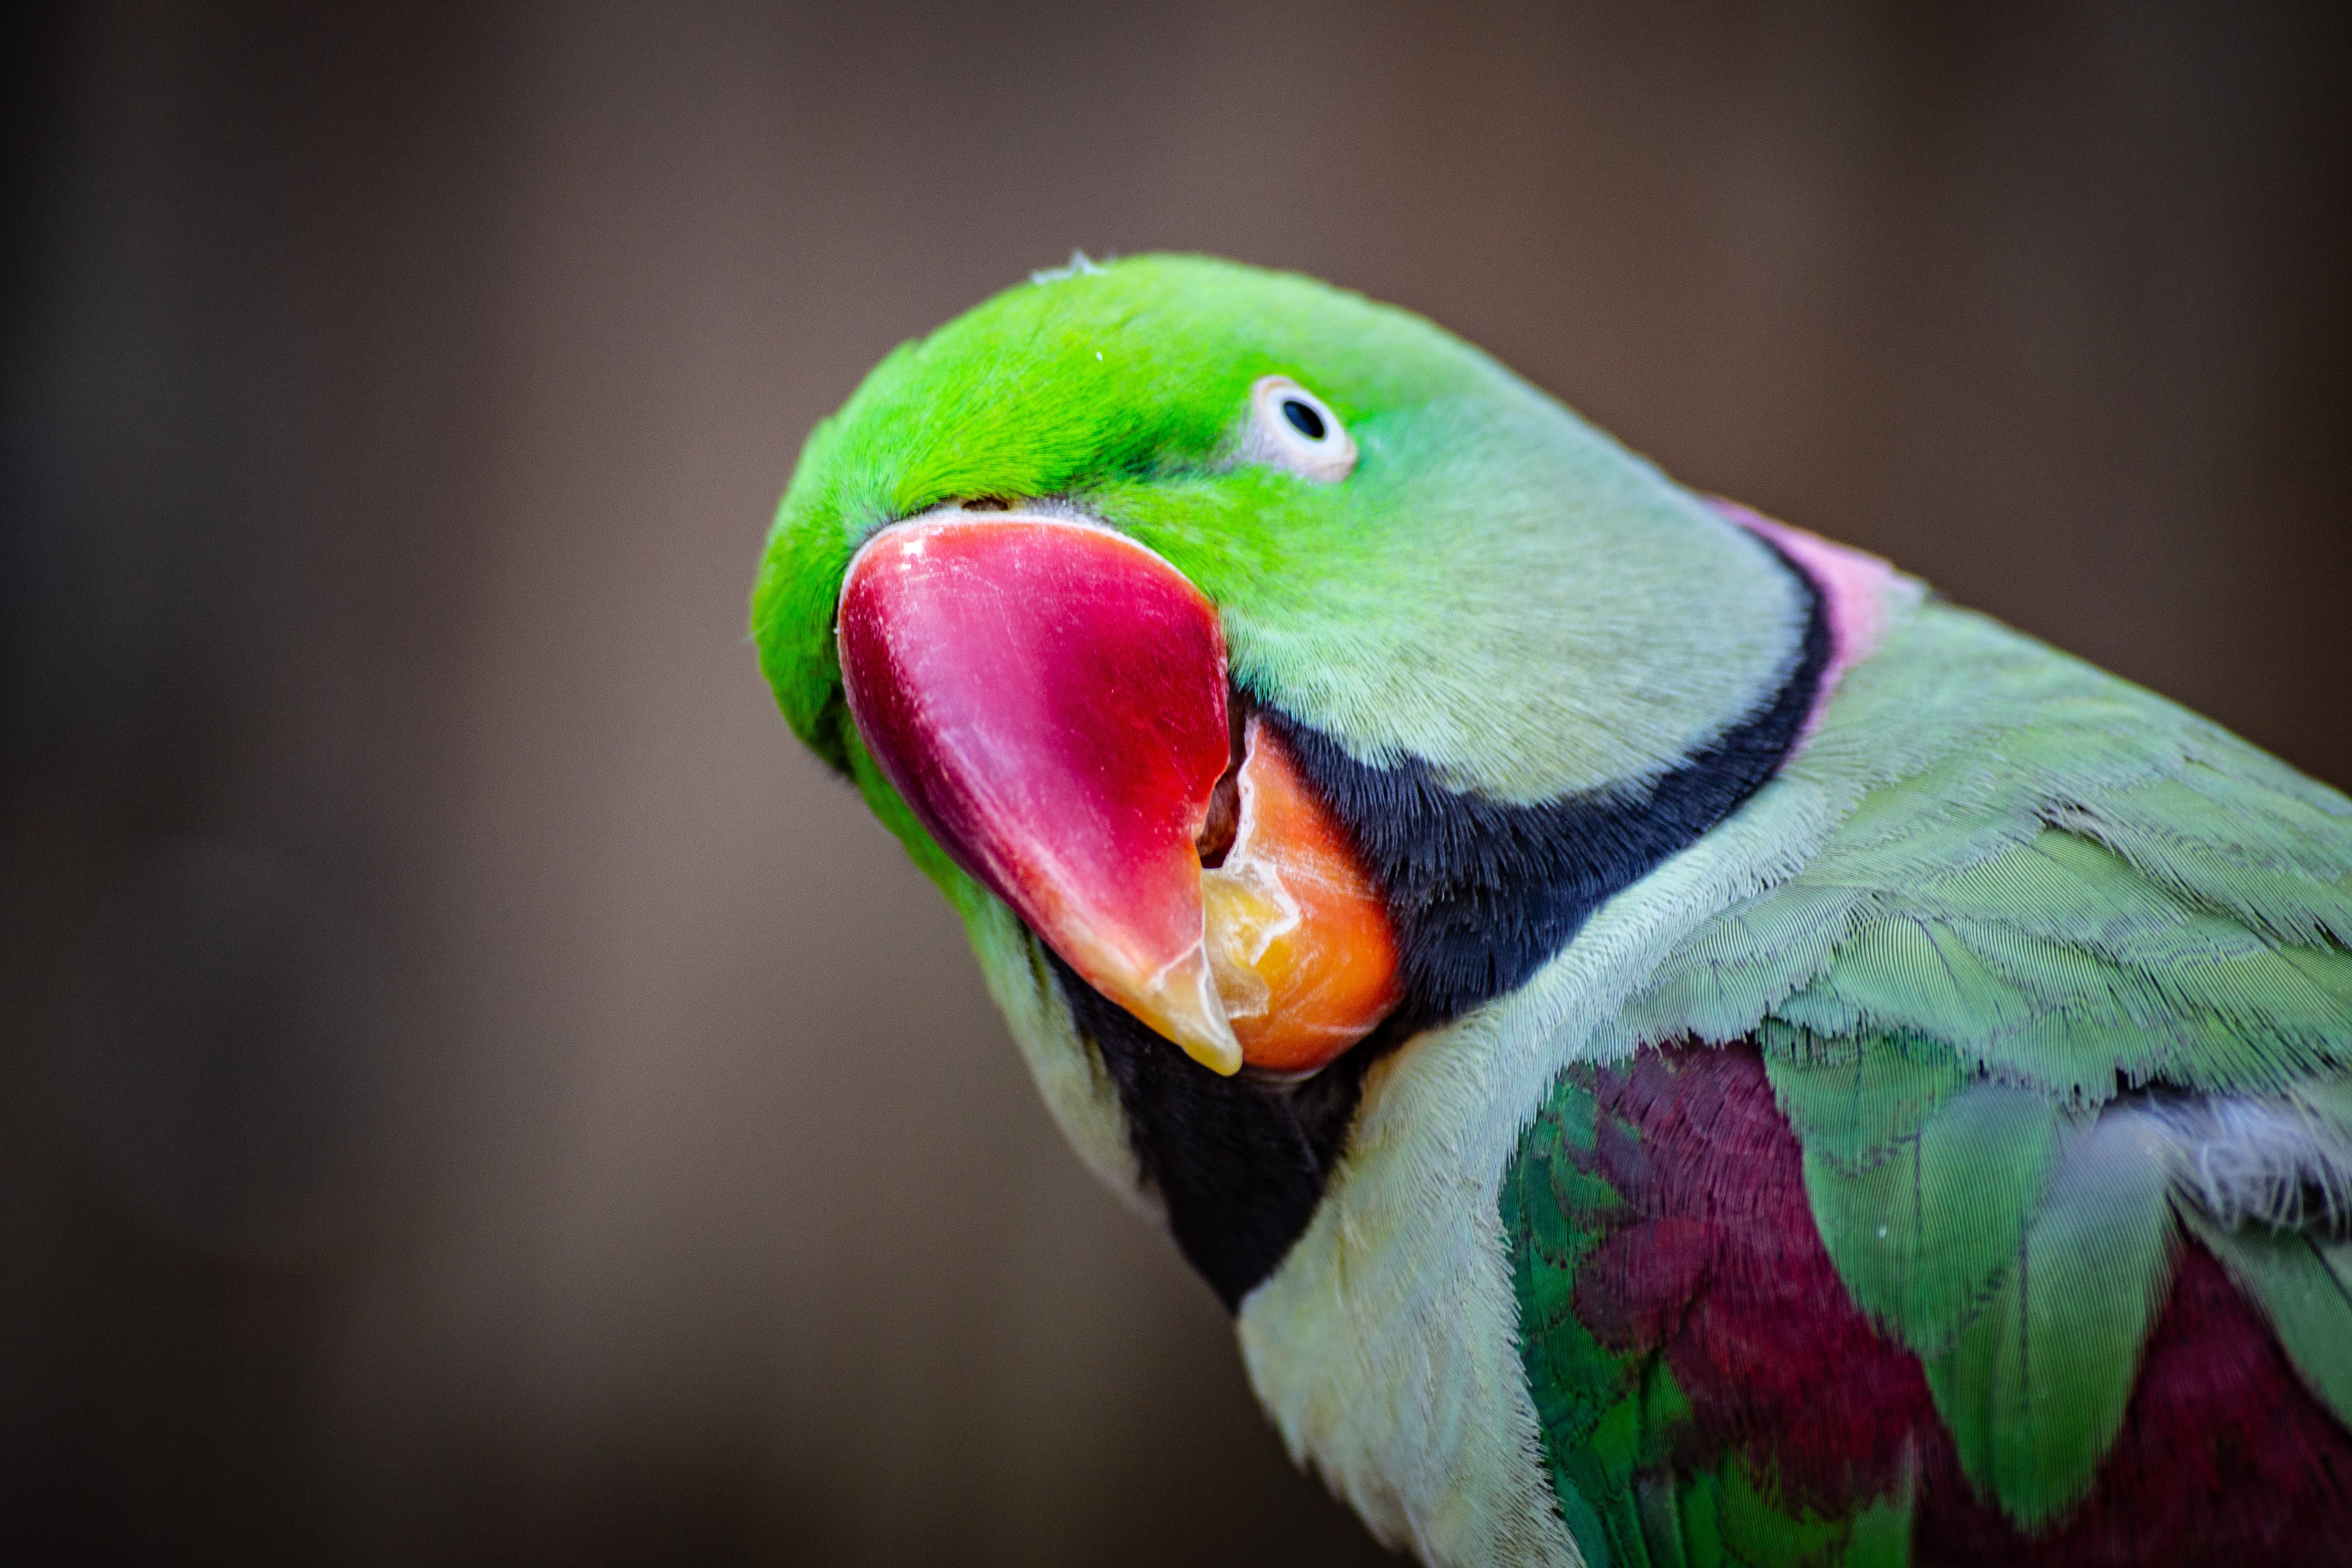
<point x="1483" y="893"/>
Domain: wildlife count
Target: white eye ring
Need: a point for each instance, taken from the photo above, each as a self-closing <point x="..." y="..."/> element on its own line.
<point x="1291" y="428"/>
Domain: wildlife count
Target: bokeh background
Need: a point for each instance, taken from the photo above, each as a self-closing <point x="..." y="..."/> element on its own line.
<point x="471" y="1090"/>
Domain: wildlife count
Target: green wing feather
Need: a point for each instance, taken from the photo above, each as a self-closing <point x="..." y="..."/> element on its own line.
<point x="2035" y="1387"/>
<point x="1611" y="1421"/>
<point x="2304" y="1285"/>
<point x="1592" y="1410"/>
<point x="1925" y="1224"/>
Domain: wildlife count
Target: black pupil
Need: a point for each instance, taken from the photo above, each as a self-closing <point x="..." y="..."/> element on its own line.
<point x="1303" y="419"/>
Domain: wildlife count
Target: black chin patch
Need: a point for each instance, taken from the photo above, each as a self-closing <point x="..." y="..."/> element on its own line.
<point x="1483" y="893"/>
<point x="1239" y="1162"/>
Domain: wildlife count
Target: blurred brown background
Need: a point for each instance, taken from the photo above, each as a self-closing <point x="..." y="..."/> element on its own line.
<point x="471" y="1090"/>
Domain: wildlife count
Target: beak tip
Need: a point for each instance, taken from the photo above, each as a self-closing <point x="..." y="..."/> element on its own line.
<point x="1220" y="1055"/>
<point x="1182" y="1004"/>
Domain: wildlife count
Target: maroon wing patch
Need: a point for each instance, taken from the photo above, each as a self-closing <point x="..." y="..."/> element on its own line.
<point x="1716" y="1266"/>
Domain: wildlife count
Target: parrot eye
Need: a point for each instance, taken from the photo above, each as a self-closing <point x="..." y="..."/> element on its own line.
<point x="1291" y="428"/>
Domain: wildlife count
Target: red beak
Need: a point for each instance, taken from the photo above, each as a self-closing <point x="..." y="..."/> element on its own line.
<point x="1049" y="698"/>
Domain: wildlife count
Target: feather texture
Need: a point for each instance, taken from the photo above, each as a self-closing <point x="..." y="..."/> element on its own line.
<point x="2067" y="991"/>
<point x="1712" y="1392"/>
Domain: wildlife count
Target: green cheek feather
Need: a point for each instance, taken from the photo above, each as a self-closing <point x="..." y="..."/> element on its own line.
<point x="1858" y="1086"/>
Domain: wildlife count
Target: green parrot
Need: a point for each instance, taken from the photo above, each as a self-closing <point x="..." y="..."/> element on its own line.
<point x="1676" y="1045"/>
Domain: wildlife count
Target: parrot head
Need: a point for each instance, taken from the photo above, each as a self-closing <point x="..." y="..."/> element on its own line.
<point x="1295" y="677"/>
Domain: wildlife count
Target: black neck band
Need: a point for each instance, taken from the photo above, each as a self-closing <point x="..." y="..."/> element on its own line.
<point x="1483" y="893"/>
